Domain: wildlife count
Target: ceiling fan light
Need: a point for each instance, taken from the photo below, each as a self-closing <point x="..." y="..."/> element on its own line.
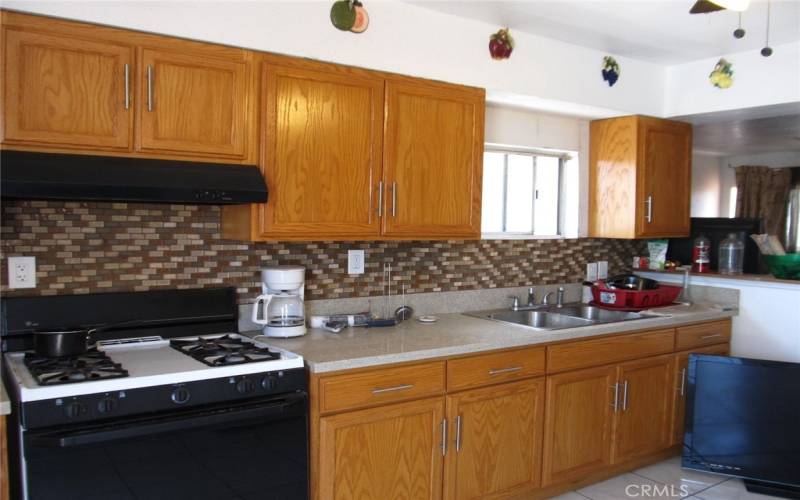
<point x="737" y="5"/>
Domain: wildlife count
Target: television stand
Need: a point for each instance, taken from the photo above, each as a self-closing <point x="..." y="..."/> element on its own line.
<point x="772" y="489"/>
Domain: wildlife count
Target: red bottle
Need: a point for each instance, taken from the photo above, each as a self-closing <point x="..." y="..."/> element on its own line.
<point x="701" y="255"/>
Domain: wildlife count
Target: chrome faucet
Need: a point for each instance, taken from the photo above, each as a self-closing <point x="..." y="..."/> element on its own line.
<point x="514" y="302"/>
<point x="531" y="297"/>
<point x="560" y="297"/>
<point x="546" y="298"/>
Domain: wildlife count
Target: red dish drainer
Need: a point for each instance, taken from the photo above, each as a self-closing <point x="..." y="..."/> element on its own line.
<point x="638" y="299"/>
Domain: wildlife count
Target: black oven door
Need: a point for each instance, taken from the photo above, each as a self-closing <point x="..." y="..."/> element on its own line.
<point x="254" y="450"/>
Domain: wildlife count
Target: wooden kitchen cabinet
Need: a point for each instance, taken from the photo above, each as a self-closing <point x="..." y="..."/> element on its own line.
<point x="194" y="102"/>
<point x="681" y="367"/>
<point x="644" y="407"/>
<point x="640" y="176"/>
<point x="72" y="87"/>
<point x="579" y="415"/>
<point x="433" y="158"/>
<point x="394" y="451"/>
<point x="322" y="155"/>
<point x="66" y="90"/>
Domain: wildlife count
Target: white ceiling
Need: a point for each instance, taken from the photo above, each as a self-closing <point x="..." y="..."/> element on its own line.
<point x="660" y="31"/>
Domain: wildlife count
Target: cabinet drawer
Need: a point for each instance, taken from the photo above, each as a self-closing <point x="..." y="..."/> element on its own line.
<point x="494" y="368"/>
<point x="715" y="332"/>
<point x="585" y="353"/>
<point x="374" y="387"/>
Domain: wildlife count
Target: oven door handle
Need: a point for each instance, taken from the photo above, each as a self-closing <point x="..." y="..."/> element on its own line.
<point x="179" y="422"/>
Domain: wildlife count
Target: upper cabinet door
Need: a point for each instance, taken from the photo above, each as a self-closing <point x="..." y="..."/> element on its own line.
<point x="194" y="103"/>
<point x="322" y="152"/>
<point x="66" y="91"/>
<point x="433" y="156"/>
<point x="666" y="153"/>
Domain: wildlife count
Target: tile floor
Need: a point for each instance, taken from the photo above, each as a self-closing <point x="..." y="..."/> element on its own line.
<point x="665" y="480"/>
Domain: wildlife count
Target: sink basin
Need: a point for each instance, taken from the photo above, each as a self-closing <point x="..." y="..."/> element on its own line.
<point x="557" y="318"/>
<point x="597" y="314"/>
<point x="541" y="320"/>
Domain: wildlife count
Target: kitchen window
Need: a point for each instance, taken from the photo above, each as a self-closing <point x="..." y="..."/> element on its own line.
<point x="529" y="194"/>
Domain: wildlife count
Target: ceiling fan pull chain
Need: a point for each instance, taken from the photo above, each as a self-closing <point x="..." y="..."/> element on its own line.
<point x="739" y="32"/>
<point x="767" y="50"/>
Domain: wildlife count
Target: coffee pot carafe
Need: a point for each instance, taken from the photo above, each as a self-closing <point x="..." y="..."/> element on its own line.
<point x="280" y="307"/>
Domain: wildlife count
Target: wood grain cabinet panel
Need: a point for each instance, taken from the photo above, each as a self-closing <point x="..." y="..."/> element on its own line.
<point x="495" y="368"/>
<point x="322" y="152"/>
<point x="433" y="160"/>
<point x="714" y="332"/>
<point x="644" y="407"/>
<point x="495" y="440"/>
<point x="67" y="91"/>
<point x="389" y="452"/>
<point x="680" y="388"/>
<point x="579" y="415"/>
<point x="193" y="103"/>
<point x="605" y="350"/>
<point x="640" y="176"/>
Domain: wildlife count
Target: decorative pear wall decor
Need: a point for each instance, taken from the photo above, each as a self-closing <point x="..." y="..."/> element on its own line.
<point x="349" y="15"/>
<point x="611" y="70"/>
<point x="722" y="75"/>
<point x="501" y="44"/>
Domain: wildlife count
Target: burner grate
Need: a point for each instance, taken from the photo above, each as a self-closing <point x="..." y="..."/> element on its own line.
<point x="224" y="351"/>
<point x="92" y="365"/>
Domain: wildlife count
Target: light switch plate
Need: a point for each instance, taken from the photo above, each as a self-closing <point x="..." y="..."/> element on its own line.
<point x="591" y="271"/>
<point x="355" y="262"/>
<point x="602" y="269"/>
<point x="22" y="272"/>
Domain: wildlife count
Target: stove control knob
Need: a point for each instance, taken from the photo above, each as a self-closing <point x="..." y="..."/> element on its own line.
<point x="106" y="405"/>
<point x="269" y="383"/>
<point x="74" y="409"/>
<point x="180" y="395"/>
<point x="245" y="386"/>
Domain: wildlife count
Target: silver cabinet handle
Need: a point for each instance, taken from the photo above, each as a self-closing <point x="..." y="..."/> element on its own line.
<point x="615" y="404"/>
<point x="624" y="395"/>
<point x="705" y="337"/>
<point x="380" y="199"/>
<point x="394" y="199"/>
<point x="149" y="88"/>
<point x="127" y="86"/>
<point x="683" y="381"/>
<point x="458" y="433"/>
<point x="444" y="436"/>
<point x="498" y="371"/>
<point x="381" y="390"/>
<point x="649" y="204"/>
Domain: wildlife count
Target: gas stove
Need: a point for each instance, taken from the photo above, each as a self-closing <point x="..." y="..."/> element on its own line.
<point x="91" y="365"/>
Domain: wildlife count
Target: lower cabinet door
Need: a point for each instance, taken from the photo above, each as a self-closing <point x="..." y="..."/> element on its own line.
<point x="579" y="414"/>
<point x="681" y="369"/>
<point x="495" y="440"/>
<point x="393" y="451"/>
<point x="644" y="407"/>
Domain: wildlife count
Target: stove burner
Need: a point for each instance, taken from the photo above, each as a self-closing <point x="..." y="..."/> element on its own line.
<point x="224" y="351"/>
<point x="92" y="365"/>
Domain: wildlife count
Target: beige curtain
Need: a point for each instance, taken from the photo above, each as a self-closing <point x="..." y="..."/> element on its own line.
<point x="763" y="192"/>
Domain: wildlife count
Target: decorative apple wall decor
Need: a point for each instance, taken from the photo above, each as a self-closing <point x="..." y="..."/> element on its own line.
<point x="722" y="75"/>
<point x="501" y="44"/>
<point x="611" y="70"/>
<point x="349" y="15"/>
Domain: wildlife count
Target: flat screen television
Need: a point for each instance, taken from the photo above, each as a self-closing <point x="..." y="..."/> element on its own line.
<point x="743" y="420"/>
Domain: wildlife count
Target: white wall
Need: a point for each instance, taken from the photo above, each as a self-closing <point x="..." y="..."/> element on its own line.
<point x="774" y="160"/>
<point x="402" y="38"/>
<point x="758" y="81"/>
<point x="705" y="186"/>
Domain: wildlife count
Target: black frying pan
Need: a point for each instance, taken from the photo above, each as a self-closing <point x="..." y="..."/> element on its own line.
<point x="72" y="341"/>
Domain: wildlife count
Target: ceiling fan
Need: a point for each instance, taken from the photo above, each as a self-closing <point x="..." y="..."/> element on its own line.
<point x="708" y="6"/>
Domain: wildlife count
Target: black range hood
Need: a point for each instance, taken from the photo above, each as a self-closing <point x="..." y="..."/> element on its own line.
<point x="47" y="176"/>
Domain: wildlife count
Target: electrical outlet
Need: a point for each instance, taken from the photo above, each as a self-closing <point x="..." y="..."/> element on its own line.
<point x="591" y="271"/>
<point x="355" y="262"/>
<point x="22" y="272"/>
<point x="602" y="269"/>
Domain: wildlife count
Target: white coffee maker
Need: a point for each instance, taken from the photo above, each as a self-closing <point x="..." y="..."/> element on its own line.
<point x="280" y="306"/>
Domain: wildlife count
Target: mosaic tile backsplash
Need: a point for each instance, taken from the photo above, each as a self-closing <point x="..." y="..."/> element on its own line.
<point x="109" y="247"/>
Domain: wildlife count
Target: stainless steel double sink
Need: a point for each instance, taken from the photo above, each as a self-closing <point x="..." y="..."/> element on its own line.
<point x="557" y="318"/>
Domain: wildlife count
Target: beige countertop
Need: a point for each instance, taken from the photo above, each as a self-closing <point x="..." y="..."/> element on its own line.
<point x="5" y="404"/>
<point x="456" y="334"/>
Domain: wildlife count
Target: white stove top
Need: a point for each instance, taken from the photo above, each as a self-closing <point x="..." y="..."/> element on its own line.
<point x="158" y="364"/>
